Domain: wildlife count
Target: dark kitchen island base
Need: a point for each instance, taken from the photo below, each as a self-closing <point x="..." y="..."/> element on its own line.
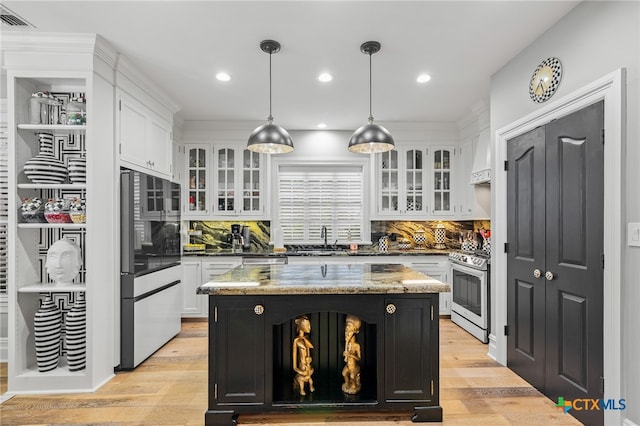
<point x="250" y="354"/>
<point x="252" y="314"/>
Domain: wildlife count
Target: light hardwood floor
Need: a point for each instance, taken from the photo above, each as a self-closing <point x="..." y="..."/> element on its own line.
<point x="170" y="388"/>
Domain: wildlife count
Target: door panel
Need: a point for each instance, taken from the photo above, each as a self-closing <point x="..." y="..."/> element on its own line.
<point x="574" y="241"/>
<point x="525" y="227"/>
<point x="555" y="224"/>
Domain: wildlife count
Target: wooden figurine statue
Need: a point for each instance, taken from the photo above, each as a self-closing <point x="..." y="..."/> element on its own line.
<point x="302" y="356"/>
<point x="352" y="354"/>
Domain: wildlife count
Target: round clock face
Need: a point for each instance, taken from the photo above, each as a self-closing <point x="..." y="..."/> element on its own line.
<point x="545" y="80"/>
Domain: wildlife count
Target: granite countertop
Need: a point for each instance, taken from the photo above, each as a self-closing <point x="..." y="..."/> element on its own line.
<point x="322" y="279"/>
<point x="362" y="251"/>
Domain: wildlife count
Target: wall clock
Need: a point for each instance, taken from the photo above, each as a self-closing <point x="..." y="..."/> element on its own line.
<point x="545" y="80"/>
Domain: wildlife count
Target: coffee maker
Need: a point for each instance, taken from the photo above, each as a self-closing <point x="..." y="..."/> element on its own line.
<point x="237" y="240"/>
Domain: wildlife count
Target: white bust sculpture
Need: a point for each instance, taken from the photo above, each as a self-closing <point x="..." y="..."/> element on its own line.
<point x="63" y="261"/>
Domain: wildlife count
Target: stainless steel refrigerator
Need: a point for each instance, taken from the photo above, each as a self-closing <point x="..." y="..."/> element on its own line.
<point x="150" y="287"/>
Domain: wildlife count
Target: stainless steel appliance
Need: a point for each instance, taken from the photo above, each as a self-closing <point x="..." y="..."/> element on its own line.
<point x="470" y="305"/>
<point x="150" y="287"/>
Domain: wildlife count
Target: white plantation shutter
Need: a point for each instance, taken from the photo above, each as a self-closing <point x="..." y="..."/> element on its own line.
<point x="312" y="197"/>
<point x="4" y="200"/>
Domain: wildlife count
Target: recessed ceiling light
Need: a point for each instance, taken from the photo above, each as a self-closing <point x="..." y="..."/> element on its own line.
<point x="321" y="126"/>
<point x="325" y="77"/>
<point x="223" y="76"/>
<point x="423" y="78"/>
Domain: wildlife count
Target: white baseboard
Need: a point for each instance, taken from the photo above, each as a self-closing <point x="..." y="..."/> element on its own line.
<point x="627" y="422"/>
<point x="493" y="347"/>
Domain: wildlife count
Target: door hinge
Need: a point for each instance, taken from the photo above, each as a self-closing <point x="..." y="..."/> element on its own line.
<point x="506" y="166"/>
<point x="602" y="385"/>
<point x="602" y="136"/>
<point x="215" y="391"/>
<point x="603" y="261"/>
<point x="506" y="330"/>
<point x="120" y="105"/>
<point x="432" y="388"/>
<point x="506" y="247"/>
<point x="215" y="314"/>
<point x="431" y="312"/>
<point x="119" y="148"/>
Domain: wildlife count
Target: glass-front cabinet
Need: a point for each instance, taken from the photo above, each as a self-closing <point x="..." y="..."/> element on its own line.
<point x="442" y="167"/>
<point x="239" y="184"/>
<point x="401" y="183"/>
<point x="197" y="174"/>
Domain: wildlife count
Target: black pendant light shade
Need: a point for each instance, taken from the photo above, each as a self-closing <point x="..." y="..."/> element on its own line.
<point x="371" y="138"/>
<point x="270" y="138"/>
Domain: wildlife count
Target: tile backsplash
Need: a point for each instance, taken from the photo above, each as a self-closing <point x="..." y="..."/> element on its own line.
<point x="214" y="233"/>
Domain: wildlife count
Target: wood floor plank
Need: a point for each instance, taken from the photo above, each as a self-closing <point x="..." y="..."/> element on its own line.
<point x="170" y="388"/>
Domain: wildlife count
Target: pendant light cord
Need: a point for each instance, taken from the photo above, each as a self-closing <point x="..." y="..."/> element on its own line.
<point x="370" y="90"/>
<point x="270" y="118"/>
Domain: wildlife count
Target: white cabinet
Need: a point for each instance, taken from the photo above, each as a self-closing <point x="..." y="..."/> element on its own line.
<point x="465" y="190"/>
<point x="438" y="268"/>
<point x="197" y="181"/>
<point x="197" y="271"/>
<point x="145" y="137"/>
<point x="239" y="184"/>
<point x="442" y="177"/>
<point x="401" y="182"/>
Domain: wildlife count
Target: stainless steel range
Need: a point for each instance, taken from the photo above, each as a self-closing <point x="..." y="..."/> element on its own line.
<point x="470" y="291"/>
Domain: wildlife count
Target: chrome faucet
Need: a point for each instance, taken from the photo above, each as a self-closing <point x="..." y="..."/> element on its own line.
<point x="323" y="234"/>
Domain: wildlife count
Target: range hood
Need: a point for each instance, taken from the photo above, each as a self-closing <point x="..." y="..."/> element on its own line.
<point x="481" y="170"/>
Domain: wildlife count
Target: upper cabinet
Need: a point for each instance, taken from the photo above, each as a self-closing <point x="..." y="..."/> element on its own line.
<point x="401" y="184"/>
<point x="465" y="189"/>
<point x="224" y="180"/>
<point x="145" y="137"/>
<point x="443" y="172"/>
<point x="415" y="181"/>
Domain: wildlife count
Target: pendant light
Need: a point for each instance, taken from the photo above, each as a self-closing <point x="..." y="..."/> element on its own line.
<point x="371" y="138"/>
<point x="270" y="138"/>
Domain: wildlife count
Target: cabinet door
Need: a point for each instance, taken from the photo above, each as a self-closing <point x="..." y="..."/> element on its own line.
<point x="133" y="131"/>
<point x="437" y="268"/>
<point x="252" y="182"/>
<point x="388" y="183"/>
<point x="225" y="180"/>
<point x="442" y="181"/>
<point x="466" y="191"/>
<point x="240" y="350"/>
<point x="409" y="350"/>
<point x="159" y="145"/>
<point x="192" y="303"/>
<point x="414" y="165"/>
<point x="197" y="180"/>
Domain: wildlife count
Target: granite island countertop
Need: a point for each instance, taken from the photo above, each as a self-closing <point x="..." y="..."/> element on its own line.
<point x="364" y="278"/>
<point x="362" y="252"/>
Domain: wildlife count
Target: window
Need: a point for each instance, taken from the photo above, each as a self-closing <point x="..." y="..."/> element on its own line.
<point x="310" y="197"/>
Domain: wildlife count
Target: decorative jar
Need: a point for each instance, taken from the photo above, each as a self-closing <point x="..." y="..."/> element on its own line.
<point x="77" y="210"/>
<point x="77" y="111"/>
<point x="56" y="210"/>
<point x="32" y="210"/>
<point x="75" y="338"/>
<point x="47" y="330"/>
<point x="439" y="233"/>
<point x="420" y="239"/>
<point x="383" y="244"/>
<point x="77" y="170"/>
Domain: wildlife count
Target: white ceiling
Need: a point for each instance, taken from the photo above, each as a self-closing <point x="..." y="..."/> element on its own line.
<point x="181" y="45"/>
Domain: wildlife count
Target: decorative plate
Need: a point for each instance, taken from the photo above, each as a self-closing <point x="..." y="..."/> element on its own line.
<point x="545" y="80"/>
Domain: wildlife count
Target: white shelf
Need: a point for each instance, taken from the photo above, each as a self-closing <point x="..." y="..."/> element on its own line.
<point x="52" y="288"/>
<point x="52" y="225"/>
<point x="61" y="127"/>
<point x="61" y="371"/>
<point x="82" y="186"/>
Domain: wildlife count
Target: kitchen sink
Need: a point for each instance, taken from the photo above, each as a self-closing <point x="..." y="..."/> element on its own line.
<point x="321" y="252"/>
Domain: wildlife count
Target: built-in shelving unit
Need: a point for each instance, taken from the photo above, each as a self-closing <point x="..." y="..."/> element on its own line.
<point x="81" y="73"/>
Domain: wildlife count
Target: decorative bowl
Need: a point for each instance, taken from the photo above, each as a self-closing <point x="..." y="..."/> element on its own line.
<point x="57" y="211"/>
<point x="32" y="210"/>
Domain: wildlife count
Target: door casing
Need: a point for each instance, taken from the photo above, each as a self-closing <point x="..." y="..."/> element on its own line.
<point x="611" y="89"/>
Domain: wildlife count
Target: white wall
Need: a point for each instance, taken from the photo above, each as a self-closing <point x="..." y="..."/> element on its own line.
<point x="591" y="41"/>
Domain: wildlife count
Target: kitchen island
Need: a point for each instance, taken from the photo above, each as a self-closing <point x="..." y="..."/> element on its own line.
<point x="254" y="311"/>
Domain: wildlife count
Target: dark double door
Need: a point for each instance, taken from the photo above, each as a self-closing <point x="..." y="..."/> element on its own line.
<point x="555" y="257"/>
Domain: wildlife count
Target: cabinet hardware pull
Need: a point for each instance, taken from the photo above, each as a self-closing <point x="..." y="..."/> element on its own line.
<point x="537" y="273"/>
<point x="391" y="308"/>
<point x="258" y="309"/>
<point x="549" y="275"/>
